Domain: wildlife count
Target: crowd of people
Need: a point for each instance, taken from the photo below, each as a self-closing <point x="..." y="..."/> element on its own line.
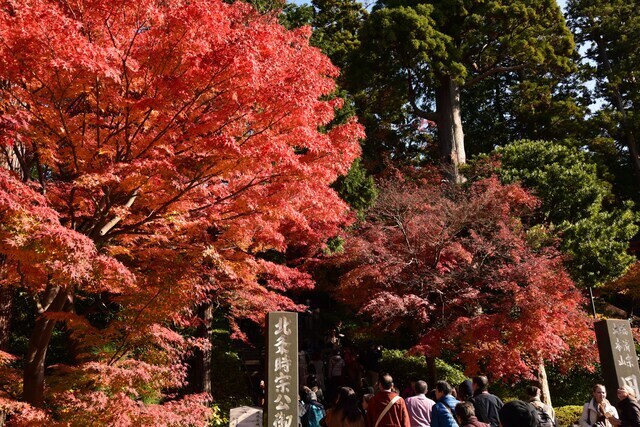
<point x="468" y="405"/>
<point x="338" y="391"/>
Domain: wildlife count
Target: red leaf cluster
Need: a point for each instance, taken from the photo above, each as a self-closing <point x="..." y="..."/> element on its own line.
<point x="154" y="150"/>
<point x="452" y="266"/>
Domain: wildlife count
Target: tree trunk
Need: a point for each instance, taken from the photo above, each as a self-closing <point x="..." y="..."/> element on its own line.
<point x="431" y="371"/>
<point x="6" y="307"/>
<point x="202" y="363"/>
<point x="33" y="381"/>
<point x="544" y="384"/>
<point x="450" y="134"/>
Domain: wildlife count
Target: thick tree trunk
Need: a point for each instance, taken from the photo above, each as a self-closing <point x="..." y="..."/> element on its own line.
<point x="450" y="134"/>
<point x="33" y="380"/>
<point x="544" y="384"/>
<point x="202" y="363"/>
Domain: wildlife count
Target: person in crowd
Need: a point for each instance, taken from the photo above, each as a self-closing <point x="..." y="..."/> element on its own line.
<point x="409" y="390"/>
<point x="314" y="386"/>
<point x="345" y="413"/>
<point x="442" y="413"/>
<point x="316" y="365"/>
<point x="366" y="388"/>
<point x="365" y="402"/>
<point x="332" y="340"/>
<point x="301" y="410"/>
<point x="466" y="415"/>
<point x="465" y="391"/>
<point x="595" y="410"/>
<point x="336" y="369"/>
<point x="371" y="362"/>
<point x="261" y="393"/>
<point x="386" y="408"/>
<point x="518" y="414"/>
<point x="628" y="409"/>
<point x="353" y="369"/>
<point x="313" y="410"/>
<point x="420" y="406"/>
<point x="486" y="404"/>
<point x="545" y="412"/>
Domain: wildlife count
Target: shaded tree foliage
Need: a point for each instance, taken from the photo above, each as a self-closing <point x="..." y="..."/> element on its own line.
<point x="452" y="266"/>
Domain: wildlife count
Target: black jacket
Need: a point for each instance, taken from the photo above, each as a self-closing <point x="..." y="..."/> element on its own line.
<point x="629" y="412"/>
<point x="487" y="406"/>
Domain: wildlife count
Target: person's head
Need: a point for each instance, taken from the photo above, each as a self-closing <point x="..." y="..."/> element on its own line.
<point x="385" y="382"/>
<point x="533" y="392"/>
<point x="347" y="404"/>
<point x="480" y="383"/>
<point x="599" y="393"/>
<point x="442" y="389"/>
<point x="464" y="412"/>
<point x="518" y="414"/>
<point x="365" y="400"/>
<point x="420" y="387"/>
<point x="464" y="390"/>
<point x="312" y="381"/>
<point x="626" y="391"/>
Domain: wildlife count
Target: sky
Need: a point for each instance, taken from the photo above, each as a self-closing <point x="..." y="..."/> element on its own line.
<point x="562" y="3"/>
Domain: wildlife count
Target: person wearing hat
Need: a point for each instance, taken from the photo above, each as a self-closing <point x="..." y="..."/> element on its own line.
<point x="628" y="409"/>
<point x="518" y="414"/>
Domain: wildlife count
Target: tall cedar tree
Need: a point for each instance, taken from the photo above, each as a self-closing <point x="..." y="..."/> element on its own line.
<point x="452" y="266"/>
<point x="609" y="30"/>
<point x="416" y="57"/>
<point x="152" y="151"/>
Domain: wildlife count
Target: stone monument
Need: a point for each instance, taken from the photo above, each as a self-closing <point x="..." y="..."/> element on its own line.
<point x="282" y="369"/>
<point x="617" y="356"/>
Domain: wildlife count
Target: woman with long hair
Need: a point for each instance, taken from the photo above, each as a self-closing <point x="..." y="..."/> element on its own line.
<point x="345" y="413"/>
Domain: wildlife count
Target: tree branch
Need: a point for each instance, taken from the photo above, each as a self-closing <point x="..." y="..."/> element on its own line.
<point x="491" y="72"/>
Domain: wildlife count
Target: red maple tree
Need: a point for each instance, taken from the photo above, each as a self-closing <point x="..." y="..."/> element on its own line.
<point x="152" y="150"/>
<point x="453" y="265"/>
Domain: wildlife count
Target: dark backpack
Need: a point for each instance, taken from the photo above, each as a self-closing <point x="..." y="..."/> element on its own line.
<point x="544" y="420"/>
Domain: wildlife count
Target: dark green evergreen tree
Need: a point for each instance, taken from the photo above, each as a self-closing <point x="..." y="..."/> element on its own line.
<point x="577" y="205"/>
<point x="609" y="31"/>
<point x="415" y="59"/>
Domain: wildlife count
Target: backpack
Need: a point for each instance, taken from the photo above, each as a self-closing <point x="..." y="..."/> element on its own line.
<point x="544" y="420"/>
<point x="314" y="413"/>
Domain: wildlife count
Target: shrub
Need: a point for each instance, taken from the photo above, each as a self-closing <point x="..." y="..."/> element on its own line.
<point x="404" y="368"/>
<point x="568" y="415"/>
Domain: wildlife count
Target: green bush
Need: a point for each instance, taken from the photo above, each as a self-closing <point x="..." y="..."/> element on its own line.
<point x="568" y="415"/>
<point x="404" y="368"/>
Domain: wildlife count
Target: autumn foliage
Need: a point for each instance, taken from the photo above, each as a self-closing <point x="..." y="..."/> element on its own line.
<point x="456" y="267"/>
<point x="152" y="152"/>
